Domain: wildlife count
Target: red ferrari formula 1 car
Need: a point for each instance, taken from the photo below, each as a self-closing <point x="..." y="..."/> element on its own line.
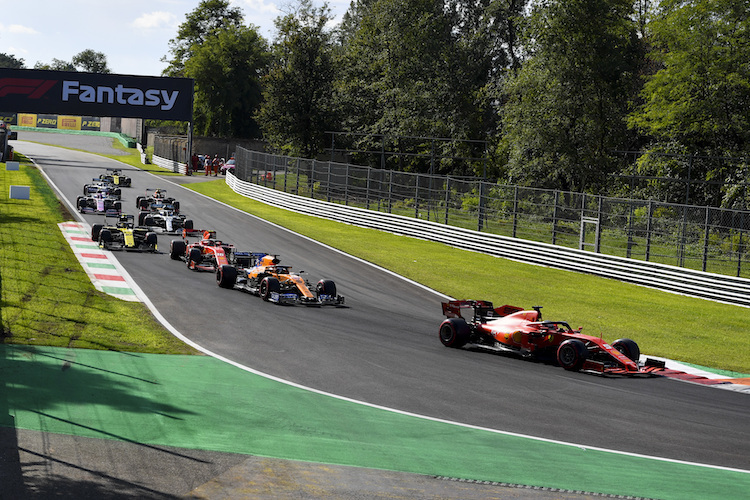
<point x="512" y="329"/>
<point x="207" y="254"/>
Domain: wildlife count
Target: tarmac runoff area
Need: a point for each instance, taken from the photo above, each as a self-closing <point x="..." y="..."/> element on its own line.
<point x="103" y="424"/>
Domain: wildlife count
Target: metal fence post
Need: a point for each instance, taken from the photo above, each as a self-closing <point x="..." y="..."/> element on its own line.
<point x="554" y="217"/>
<point x="480" y="222"/>
<point x="648" y="229"/>
<point x="447" y="197"/>
<point x="416" y="196"/>
<point x="705" y="238"/>
<point x="515" y="209"/>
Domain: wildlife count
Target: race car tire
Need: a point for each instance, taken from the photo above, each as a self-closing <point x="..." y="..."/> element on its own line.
<point x="117" y="206"/>
<point x="176" y="206"/>
<point x="629" y="348"/>
<point x="326" y="287"/>
<point x="194" y="256"/>
<point x="138" y="201"/>
<point x="188" y="224"/>
<point x="96" y="229"/>
<point x="151" y="241"/>
<point x="572" y="354"/>
<point x="105" y="238"/>
<point x="80" y="203"/>
<point x="85" y="189"/>
<point x="226" y="276"/>
<point x="268" y="286"/>
<point x="108" y="204"/>
<point x="141" y="217"/>
<point x="177" y="249"/>
<point x="117" y="192"/>
<point x="454" y="332"/>
<point x="143" y="204"/>
<point x="149" y="221"/>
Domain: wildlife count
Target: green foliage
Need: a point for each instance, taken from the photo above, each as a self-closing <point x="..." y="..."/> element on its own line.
<point x="10" y="61"/>
<point x="91" y="61"/>
<point x="226" y="69"/>
<point x="297" y="106"/>
<point x="566" y="106"/>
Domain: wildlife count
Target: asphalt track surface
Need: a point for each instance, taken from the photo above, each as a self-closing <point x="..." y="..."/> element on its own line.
<point x="383" y="348"/>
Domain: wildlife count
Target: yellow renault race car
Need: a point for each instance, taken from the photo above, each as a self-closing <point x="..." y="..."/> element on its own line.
<point x="124" y="235"/>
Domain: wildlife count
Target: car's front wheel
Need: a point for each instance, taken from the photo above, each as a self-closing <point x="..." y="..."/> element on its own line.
<point x="269" y="286"/>
<point x="177" y="249"/>
<point x="629" y="348"/>
<point x="572" y="354"/>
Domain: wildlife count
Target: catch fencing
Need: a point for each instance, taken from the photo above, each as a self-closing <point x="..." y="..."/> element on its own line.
<point x="708" y="239"/>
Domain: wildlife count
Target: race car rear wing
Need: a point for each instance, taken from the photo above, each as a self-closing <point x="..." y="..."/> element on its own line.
<point x="479" y="308"/>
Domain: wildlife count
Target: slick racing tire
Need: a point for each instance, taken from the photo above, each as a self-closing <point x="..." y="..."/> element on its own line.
<point x="80" y="203"/>
<point x="177" y="249"/>
<point x="141" y="217"/>
<point x="105" y="238"/>
<point x="194" y="256"/>
<point x="188" y="224"/>
<point x="326" y="287"/>
<point x="96" y="229"/>
<point x="268" y="286"/>
<point x="151" y="241"/>
<point x="149" y="221"/>
<point x="138" y="201"/>
<point x="226" y="276"/>
<point x="572" y="354"/>
<point x="454" y="332"/>
<point x="629" y="348"/>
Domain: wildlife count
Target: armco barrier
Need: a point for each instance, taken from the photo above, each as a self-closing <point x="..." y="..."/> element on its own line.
<point x="727" y="289"/>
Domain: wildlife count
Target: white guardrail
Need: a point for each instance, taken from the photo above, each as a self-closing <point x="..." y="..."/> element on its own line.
<point x="720" y="288"/>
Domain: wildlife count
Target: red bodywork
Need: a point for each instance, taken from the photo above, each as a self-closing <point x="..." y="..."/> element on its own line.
<point x="207" y="254"/>
<point x="510" y="328"/>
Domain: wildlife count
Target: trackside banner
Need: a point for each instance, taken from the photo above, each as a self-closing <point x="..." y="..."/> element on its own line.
<point x="94" y="94"/>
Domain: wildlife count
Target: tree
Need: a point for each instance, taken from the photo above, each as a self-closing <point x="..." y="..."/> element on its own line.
<point x="699" y="97"/>
<point x="226" y="68"/>
<point x="202" y="23"/>
<point x="297" y="106"/>
<point x="566" y="108"/>
<point x="10" y="61"/>
<point x="56" y="65"/>
<point x="91" y="61"/>
<point x="396" y="73"/>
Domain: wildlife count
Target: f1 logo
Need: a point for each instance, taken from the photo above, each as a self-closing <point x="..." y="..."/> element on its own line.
<point x="34" y="89"/>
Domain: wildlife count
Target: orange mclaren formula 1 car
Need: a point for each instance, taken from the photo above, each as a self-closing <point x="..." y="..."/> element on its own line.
<point x="206" y="254"/>
<point x="261" y="274"/>
<point x="512" y="329"/>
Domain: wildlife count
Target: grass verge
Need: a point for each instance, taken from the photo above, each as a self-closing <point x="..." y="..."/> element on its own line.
<point x="46" y="298"/>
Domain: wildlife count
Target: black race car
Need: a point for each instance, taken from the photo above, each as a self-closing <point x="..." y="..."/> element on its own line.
<point x="124" y="235"/>
<point x="155" y="200"/>
<point x="165" y="221"/>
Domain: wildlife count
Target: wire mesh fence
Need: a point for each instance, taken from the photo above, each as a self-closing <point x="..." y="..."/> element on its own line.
<point x="704" y="238"/>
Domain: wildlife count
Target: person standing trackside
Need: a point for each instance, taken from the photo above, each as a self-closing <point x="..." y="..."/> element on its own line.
<point x="215" y="165"/>
<point x="207" y="164"/>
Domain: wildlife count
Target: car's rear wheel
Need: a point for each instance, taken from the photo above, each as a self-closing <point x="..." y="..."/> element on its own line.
<point x="177" y="249"/>
<point x="226" y="276"/>
<point x="138" y="201"/>
<point x="572" y="354"/>
<point x="188" y="224"/>
<point x="268" y="286"/>
<point x="149" y="221"/>
<point x="454" y="332"/>
<point x="629" y="348"/>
